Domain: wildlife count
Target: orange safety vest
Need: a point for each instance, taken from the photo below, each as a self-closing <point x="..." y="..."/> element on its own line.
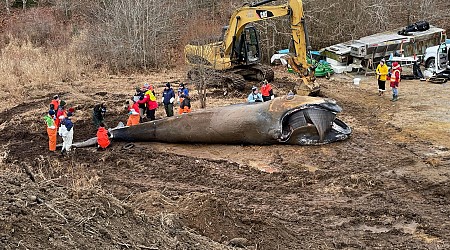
<point x="394" y="77"/>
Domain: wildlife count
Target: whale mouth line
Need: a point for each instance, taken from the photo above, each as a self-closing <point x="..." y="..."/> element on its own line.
<point x="317" y="120"/>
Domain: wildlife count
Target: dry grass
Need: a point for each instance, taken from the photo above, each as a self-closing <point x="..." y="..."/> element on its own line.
<point x="27" y="71"/>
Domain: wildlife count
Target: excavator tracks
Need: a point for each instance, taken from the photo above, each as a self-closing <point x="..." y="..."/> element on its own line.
<point x="233" y="79"/>
<point x="217" y="79"/>
<point x="263" y="72"/>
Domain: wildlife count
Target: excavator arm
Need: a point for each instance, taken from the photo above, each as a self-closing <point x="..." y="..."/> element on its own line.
<point x="258" y="12"/>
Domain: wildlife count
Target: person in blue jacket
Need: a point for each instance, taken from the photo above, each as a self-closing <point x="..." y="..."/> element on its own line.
<point x="183" y="90"/>
<point x="255" y="96"/>
<point x="168" y="97"/>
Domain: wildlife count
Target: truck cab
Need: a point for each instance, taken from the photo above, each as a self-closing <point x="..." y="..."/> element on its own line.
<point x="436" y="58"/>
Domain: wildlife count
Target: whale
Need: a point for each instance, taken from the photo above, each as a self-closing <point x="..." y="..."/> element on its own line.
<point x="296" y="120"/>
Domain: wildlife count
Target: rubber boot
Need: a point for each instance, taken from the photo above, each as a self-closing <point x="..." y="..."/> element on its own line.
<point x="393" y="98"/>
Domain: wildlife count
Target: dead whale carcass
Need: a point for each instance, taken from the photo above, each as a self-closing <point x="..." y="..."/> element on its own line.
<point x="299" y="120"/>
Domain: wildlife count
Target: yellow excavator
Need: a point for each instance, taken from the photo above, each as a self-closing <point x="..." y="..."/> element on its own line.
<point x="236" y="57"/>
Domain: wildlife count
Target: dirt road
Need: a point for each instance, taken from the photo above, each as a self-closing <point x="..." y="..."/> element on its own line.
<point x="387" y="187"/>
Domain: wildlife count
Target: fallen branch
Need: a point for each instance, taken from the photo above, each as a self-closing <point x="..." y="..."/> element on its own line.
<point x="146" y="247"/>
<point x="124" y="244"/>
<point x="56" y="211"/>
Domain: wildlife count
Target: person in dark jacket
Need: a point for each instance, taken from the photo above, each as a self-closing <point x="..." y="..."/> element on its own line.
<point x="139" y="96"/>
<point x="185" y="106"/>
<point x="168" y="99"/>
<point x="98" y="114"/>
<point x="183" y="90"/>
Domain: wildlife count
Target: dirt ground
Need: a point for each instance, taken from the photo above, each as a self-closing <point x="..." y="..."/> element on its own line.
<point x="387" y="187"/>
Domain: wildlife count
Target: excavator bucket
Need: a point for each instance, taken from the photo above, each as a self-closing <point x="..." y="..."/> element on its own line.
<point x="308" y="85"/>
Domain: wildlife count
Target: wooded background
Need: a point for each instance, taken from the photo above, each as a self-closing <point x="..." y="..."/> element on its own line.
<point x="128" y="35"/>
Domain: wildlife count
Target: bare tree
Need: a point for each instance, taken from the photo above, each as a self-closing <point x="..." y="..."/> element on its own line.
<point x="7" y="7"/>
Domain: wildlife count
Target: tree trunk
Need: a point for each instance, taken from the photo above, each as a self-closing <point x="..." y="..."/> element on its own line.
<point x="7" y="6"/>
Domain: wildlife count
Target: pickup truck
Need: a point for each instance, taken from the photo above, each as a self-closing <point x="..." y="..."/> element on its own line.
<point x="436" y="58"/>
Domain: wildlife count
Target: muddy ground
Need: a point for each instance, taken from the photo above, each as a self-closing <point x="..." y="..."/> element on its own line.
<point x="387" y="187"/>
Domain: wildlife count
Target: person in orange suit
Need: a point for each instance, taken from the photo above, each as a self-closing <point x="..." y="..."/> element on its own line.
<point x="133" y="110"/>
<point x="102" y="137"/>
<point x="51" y="130"/>
<point x="185" y="106"/>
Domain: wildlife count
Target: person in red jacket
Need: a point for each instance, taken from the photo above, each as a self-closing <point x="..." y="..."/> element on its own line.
<point x="60" y="113"/>
<point x="150" y="100"/>
<point x="395" y="80"/>
<point x="133" y="111"/>
<point x="266" y="91"/>
<point x="102" y="137"/>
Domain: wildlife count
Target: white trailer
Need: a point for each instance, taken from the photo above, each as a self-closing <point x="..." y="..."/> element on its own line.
<point x="381" y="45"/>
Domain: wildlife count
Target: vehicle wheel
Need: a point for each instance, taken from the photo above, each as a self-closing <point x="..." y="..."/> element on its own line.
<point x="430" y="63"/>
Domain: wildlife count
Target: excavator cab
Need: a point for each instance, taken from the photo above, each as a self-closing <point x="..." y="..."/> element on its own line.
<point x="246" y="48"/>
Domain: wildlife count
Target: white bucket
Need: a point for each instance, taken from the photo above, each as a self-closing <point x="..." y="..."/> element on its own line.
<point x="356" y="81"/>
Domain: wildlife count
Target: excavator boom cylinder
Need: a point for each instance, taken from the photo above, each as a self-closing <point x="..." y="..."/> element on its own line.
<point x="261" y="3"/>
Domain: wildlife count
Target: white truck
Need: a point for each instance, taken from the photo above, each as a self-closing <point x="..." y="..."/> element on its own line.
<point x="436" y="58"/>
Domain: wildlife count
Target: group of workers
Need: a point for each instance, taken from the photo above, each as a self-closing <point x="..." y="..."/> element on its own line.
<point x="393" y="75"/>
<point x="142" y="107"/>
<point x="265" y="95"/>
<point x="59" y="122"/>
